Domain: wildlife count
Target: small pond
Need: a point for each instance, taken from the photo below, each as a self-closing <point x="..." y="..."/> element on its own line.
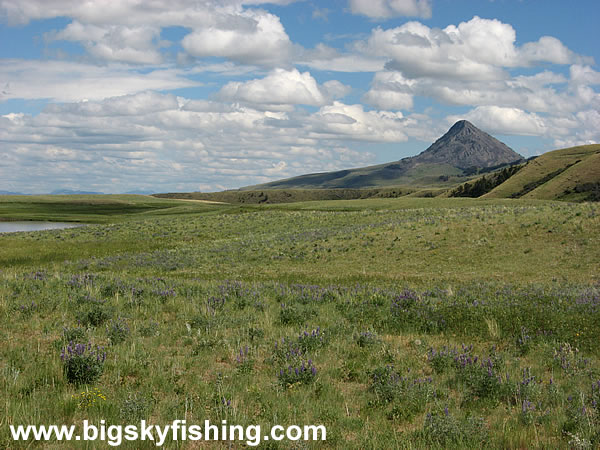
<point x="25" y="225"/>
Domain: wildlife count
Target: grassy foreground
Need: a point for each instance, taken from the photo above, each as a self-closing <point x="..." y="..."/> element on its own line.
<point x="430" y="323"/>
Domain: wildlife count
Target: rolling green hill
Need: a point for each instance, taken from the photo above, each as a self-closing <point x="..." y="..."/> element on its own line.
<point x="268" y="196"/>
<point x="569" y="174"/>
<point x="405" y="172"/>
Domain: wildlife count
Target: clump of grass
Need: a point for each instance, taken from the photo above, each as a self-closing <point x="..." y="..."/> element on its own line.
<point x="244" y="362"/>
<point x="73" y="334"/>
<point x="118" y="331"/>
<point x="150" y="329"/>
<point x="569" y="359"/>
<point x="410" y="311"/>
<point x="524" y="342"/>
<point x="444" y="429"/>
<point x="94" y="315"/>
<point x="134" y="408"/>
<point x="295" y="314"/>
<point x="445" y="358"/>
<point x="409" y="395"/>
<point x="367" y="339"/>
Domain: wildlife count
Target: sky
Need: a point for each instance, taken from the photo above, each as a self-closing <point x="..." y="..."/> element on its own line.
<point x="120" y="96"/>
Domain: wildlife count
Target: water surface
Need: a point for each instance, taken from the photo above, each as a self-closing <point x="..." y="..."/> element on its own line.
<point x="27" y="225"/>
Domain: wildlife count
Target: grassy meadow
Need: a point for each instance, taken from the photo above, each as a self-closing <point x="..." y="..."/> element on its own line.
<point x="429" y="323"/>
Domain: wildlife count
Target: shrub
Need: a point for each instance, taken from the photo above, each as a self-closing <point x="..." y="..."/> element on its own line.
<point x="244" y="363"/>
<point x="287" y="352"/>
<point x="150" y="330"/>
<point x="444" y="359"/>
<point x="367" y="339"/>
<point x="411" y="312"/>
<point x="409" y="395"/>
<point x="294" y="315"/>
<point x="82" y="364"/>
<point x="303" y="374"/>
<point x="95" y="315"/>
<point x="311" y="341"/>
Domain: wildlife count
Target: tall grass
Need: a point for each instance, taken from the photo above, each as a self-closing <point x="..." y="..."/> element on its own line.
<point x="410" y="328"/>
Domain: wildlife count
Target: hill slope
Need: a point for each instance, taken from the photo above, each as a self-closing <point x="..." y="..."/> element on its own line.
<point x="463" y="148"/>
<point x="567" y="174"/>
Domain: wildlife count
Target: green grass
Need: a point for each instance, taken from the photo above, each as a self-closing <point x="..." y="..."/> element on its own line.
<point x="271" y="196"/>
<point x="388" y="291"/>
<point x="570" y="167"/>
<point x="92" y="208"/>
<point x="403" y="173"/>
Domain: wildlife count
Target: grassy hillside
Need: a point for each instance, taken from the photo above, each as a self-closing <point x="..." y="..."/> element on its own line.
<point x="398" y="173"/>
<point x="92" y="208"/>
<point x="270" y="196"/>
<point x="430" y="323"/>
<point x="554" y="175"/>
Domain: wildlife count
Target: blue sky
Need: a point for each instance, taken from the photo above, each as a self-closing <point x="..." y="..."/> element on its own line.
<point x="188" y="95"/>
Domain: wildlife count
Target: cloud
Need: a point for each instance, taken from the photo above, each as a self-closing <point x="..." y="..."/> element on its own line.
<point x="283" y="88"/>
<point x="255" y="37"/>
<point x="584" y="75"/>
<point x="390" y="90"/>
<point x="384" y="9"/>
<point x="123" y="11"/>
<point x="326" y="58"/>
<point x="115" y="42"/>
<point x="140" y="104"/>
<point x="336" y="89"/>
<point x="341" y="121"/>
<point x="544" y="92"/>
<point x="161" y="142"/>
<point x="419" y="51"/>
<point x="477" y="50"/>
<point x="130" y="30"/>
<point x="72" y="81"/>
<point x="280" y="87"/>
<point x="495" y="119"/>
<point x="551" y="50"/>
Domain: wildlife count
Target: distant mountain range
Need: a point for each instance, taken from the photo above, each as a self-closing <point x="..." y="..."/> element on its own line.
<point x="464" y="150"/>
<point x="75" y="192"/>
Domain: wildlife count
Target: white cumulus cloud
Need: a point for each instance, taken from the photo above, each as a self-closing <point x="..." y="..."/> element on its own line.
<point x="161" y="142"/>
<point x="383" y="9"/>
<point x="280" y="87"/>
<point x="250" y="36"/>
<point x="501" y="120"/>
<point x="68" y="81"/>
<point x="480" y="49"/>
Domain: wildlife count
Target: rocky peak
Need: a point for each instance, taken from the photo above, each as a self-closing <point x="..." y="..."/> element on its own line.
<point x="465" y="145"/>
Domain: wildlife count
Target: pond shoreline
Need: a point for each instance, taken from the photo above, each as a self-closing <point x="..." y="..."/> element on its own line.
<point x="19" y="226"/>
